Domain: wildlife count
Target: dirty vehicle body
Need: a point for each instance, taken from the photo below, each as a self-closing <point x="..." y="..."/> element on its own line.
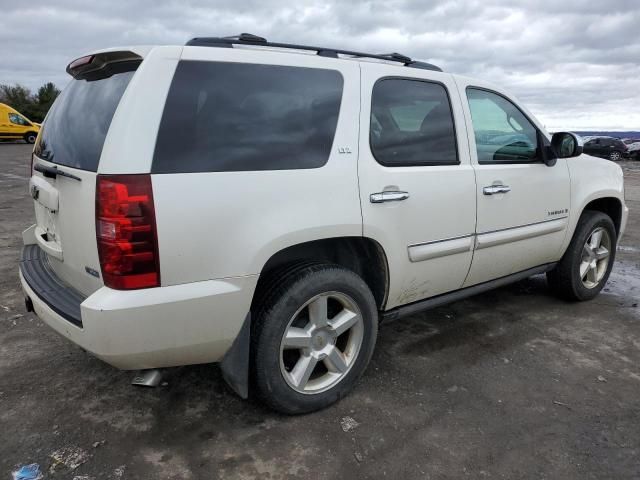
<point x="267" y="207"/>
<point x="15" y="126"/>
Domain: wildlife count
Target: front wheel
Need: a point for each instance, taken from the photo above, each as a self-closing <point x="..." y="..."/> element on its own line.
<point x="313" y="338"/>
<point x="615" y="156"/>
<point x="586" y="265"/>
<point x="30" y="137"/>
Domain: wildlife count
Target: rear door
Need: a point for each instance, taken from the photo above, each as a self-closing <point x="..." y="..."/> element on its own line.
<point x="607" y="145"/>
<point x="66" y="159"/>
<point x="417" y="187"/>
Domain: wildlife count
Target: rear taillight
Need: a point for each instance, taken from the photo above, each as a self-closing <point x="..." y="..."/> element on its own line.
<point x="126" y="232"/>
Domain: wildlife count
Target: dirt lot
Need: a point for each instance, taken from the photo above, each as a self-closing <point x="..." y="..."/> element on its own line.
<point x="511" y="384"/>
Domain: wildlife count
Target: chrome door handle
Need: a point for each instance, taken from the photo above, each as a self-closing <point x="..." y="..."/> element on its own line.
<point x="493" y="189"/>
<point x="381" y="197"/>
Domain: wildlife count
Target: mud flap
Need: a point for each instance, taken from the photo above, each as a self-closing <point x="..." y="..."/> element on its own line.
<point x="235" y="364"/>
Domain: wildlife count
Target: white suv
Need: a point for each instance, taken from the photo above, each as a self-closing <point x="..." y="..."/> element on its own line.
<point x="266" y="205"/>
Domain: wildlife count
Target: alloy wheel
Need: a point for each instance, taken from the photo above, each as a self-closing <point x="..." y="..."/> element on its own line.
<point x="321" y="343"/>
<point x="595" y="258"/>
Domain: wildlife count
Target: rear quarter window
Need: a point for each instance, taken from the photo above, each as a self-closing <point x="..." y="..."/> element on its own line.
<point x="222" y="116"/>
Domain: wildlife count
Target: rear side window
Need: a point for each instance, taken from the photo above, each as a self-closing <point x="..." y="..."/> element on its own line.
<point x="77" y="125"/>
<point x="223" y="116"/>
<point x="412" y="124"/>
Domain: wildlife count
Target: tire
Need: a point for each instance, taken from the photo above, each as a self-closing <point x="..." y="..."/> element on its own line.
<point x="615" y="156"/>
<point x="317" y="362"/>
<point x="568" y="279"/>
<point x="30" y="137"/>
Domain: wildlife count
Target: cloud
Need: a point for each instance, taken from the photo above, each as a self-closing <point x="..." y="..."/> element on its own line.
<point x="575" y="63"/>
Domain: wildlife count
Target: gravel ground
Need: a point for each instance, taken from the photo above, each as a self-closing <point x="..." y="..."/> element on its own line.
<point x="510" y="384"/>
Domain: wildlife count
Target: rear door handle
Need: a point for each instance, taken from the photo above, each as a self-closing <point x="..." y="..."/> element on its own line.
<point x="382" y="197"/>
<point x="493" y="189"/>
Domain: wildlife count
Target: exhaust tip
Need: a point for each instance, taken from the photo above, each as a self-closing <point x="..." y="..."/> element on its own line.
<point x="147" y="378"/>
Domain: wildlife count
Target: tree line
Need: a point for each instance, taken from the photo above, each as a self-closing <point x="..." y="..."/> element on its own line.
<point x="34" y="106"/>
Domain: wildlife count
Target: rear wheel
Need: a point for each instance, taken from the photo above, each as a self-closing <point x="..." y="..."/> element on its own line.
<point x="313" y="337"/>
<point x="30" y="137"/>
<point x="586" y="265"/>
<point x="615" y="156"/>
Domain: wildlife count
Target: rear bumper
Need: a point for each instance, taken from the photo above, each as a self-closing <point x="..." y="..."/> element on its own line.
<point x="150" y="328"/>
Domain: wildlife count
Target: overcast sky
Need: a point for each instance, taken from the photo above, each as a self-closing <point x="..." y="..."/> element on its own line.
<point x="574" y="63"/>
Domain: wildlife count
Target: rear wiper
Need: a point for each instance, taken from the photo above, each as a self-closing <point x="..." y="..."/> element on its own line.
<point x="53" y="172"/>
<point x="46" y="155"/>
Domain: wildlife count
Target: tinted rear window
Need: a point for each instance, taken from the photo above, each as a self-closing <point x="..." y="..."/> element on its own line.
<point x="75" y="129"/>
<point x="412" y="124"/>
<point x="236" y="117"/>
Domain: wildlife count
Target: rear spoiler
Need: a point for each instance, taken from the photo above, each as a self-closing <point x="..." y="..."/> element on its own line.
<point x="102" y="65"/>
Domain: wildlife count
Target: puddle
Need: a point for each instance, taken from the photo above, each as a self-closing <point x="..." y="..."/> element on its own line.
<point x="624" y="283"/>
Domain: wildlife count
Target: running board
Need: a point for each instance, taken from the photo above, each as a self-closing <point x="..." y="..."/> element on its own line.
<point x="432" y="302"/>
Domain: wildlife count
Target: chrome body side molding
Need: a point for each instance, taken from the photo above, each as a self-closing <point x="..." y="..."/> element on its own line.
<point x="440" y="248"/>
<point x="514" y="234"/>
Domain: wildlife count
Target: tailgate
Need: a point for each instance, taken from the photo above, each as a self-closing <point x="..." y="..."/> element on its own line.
<point x="65" y="225"/>
<point x="66" y="158"/>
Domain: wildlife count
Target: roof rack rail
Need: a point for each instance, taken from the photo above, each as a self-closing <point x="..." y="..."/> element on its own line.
<point x="250" y="39"/>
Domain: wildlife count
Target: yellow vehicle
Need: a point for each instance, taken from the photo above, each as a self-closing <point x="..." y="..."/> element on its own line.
<point x="14" y="125"/>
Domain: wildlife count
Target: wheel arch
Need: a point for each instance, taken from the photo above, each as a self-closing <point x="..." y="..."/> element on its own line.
<point x="362" y="255"/>
<point x="27" y="133"/>
<point x="611" y="206"/>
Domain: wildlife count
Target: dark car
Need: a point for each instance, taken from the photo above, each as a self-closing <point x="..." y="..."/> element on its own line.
<point x="606" y="147"/>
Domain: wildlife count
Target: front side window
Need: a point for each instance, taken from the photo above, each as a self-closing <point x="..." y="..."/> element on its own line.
<point x="240" y="117"/>
<point x="412" y="124"/>
<point x="503" y="134"/>
<point x="18" y="120"/>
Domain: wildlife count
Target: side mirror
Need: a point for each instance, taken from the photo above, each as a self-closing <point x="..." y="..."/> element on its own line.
<point x="566" y="145"/>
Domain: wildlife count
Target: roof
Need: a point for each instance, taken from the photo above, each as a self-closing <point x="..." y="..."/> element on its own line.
<point x="248" y="39"/>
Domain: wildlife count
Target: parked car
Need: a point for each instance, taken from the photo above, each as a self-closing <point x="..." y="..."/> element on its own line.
<point x="15" y="126"/>
<point x="606" y="147"/>
<point x="633" y="147"/>
<point x="266" y="207"/>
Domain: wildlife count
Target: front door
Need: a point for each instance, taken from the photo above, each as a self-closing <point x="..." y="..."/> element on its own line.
<point x="523" y="204"/>
<point x="7" y="128"/>
<point x="18" y="124"/>
<point x="417" y="186"/>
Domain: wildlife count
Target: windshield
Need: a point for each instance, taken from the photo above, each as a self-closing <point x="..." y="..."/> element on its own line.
<point x="74" y="131"/>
